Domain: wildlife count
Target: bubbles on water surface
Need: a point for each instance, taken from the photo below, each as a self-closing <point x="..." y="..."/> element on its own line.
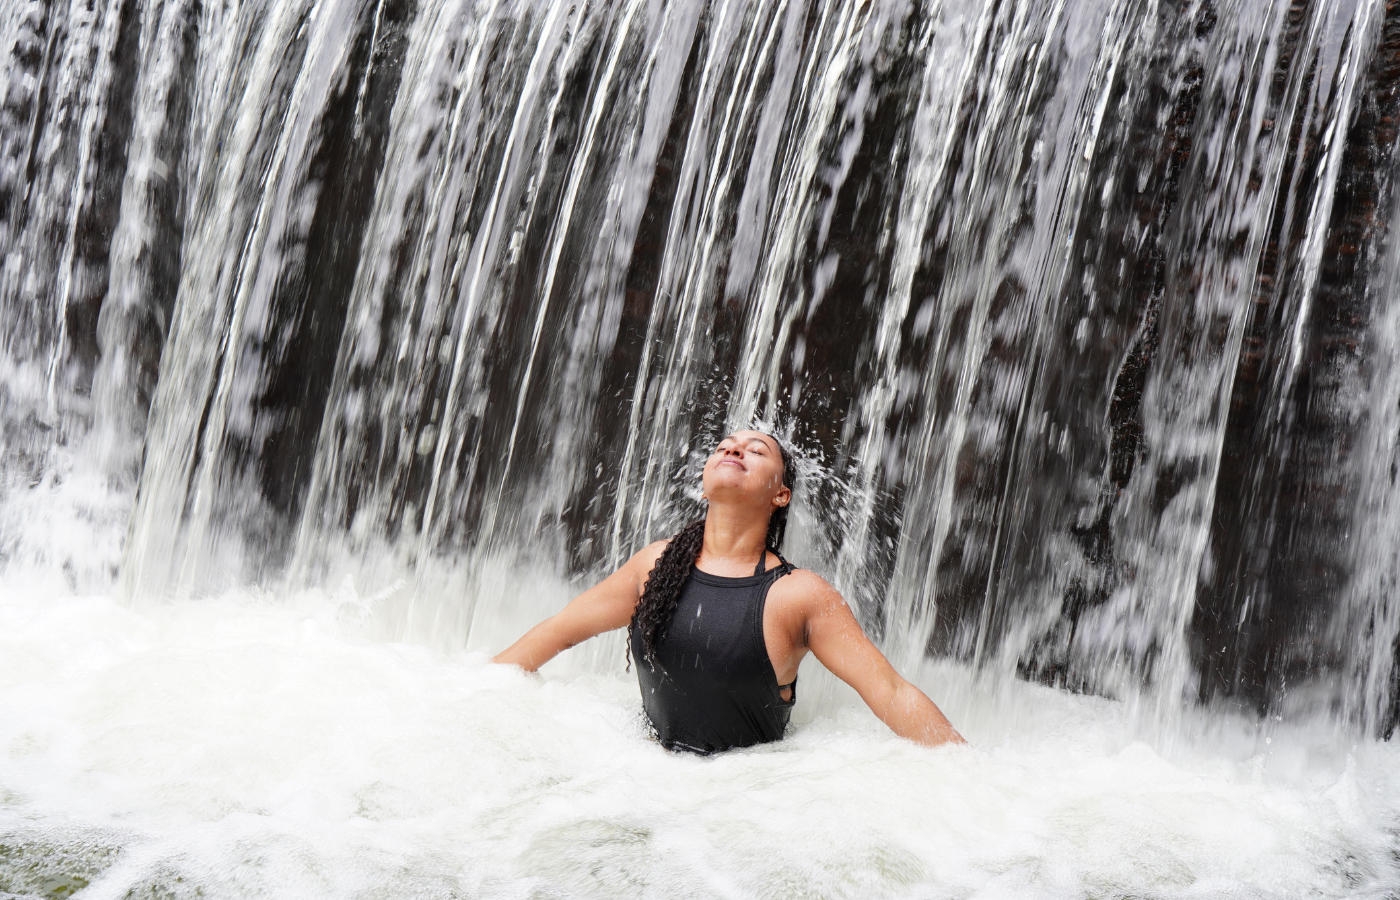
<point x="263" y="745"/>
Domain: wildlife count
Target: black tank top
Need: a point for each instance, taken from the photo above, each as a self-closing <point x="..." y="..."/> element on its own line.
<point x="712" y="685"/>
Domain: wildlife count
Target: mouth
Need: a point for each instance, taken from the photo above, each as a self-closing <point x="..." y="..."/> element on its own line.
<point x="733" y="462"/>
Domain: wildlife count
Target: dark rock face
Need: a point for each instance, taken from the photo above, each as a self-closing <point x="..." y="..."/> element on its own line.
<point x="1282" y="530"/>
<point x="310" y="303"/>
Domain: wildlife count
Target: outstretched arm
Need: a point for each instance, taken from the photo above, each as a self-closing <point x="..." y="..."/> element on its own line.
<point x="603" y="607"/>
<point x="836" y="638"/>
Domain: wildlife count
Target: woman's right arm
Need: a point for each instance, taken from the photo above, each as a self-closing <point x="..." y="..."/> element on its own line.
<point x="603" y="607"/>
<point x="836" y="639"/>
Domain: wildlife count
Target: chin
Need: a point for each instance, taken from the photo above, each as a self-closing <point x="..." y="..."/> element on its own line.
<point x="726" y="482"/>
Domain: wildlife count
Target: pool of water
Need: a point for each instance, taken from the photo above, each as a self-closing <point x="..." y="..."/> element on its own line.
<point x="272" y="746"/>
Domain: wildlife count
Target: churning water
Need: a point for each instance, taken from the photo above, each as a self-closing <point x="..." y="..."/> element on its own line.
<point x="341" y="340"/>
<point x="261" y="746"/>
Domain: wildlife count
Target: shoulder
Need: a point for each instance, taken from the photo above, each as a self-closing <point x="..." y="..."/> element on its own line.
<point x="805" y="588"/>
<point x="645" y="559"/>
<point x="650" y="553"/>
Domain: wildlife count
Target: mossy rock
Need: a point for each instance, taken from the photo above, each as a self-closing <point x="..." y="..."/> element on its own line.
<point x="55" y="869"/>
<point x="165" y="884"/>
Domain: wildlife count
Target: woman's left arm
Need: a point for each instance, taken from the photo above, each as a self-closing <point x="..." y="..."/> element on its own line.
<point x="835" y="637"/>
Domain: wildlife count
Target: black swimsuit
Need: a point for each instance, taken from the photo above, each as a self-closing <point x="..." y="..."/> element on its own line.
<point x="712" y="685"/>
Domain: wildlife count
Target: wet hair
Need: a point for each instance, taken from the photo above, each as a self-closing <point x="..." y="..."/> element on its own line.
<point x="662" y="591"/>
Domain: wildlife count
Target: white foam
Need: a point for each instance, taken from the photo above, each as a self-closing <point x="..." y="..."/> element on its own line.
<point x="256" y="745"/>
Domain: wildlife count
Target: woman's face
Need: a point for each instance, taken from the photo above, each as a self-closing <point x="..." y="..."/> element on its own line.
<point x="746" y="465"/>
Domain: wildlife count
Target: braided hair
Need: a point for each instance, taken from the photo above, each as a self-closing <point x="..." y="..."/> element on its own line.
<point x="662" y="591"/>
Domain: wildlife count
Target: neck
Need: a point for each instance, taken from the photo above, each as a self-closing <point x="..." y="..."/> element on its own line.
<point x="736" y="535"/>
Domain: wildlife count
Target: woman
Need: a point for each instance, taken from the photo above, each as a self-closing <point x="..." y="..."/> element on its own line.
<point x="720" y="621"/>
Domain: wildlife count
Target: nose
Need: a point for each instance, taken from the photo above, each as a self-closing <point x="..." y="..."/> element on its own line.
<point x="733" y="451"/>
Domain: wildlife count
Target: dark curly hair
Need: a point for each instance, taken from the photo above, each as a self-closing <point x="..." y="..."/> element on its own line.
<point x="663" y="588"/>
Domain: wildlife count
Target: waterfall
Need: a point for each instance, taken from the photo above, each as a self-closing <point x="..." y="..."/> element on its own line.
<point x="1082" y="314"/>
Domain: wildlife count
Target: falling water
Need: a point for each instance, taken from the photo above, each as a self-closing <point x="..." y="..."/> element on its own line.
<point x="403" y="320"/>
